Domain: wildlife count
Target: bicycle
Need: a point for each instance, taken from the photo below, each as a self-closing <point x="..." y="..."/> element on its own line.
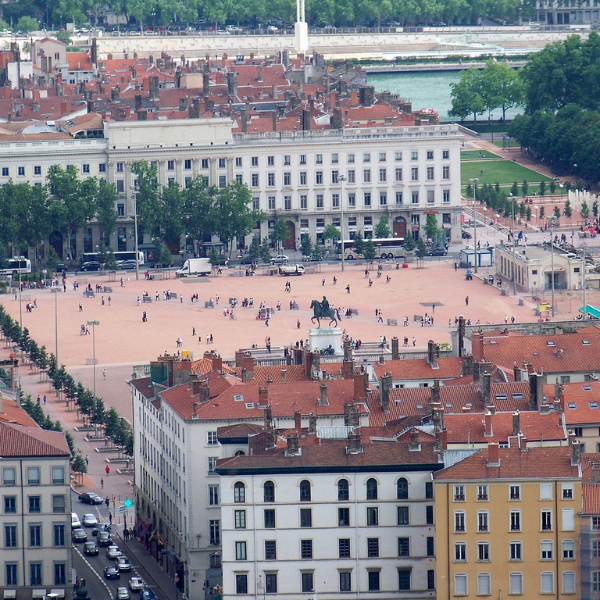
<point x="232" y="316"/>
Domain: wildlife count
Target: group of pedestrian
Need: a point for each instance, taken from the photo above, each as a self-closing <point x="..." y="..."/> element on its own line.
<point x="414" y="342"/>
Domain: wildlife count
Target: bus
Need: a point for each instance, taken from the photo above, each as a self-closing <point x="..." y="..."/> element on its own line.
<point x="120" y="256"/>
<point x="385" y="248"/>
<point x="16" y="265"/>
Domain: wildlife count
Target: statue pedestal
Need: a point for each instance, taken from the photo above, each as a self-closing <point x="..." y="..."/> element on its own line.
<point x="321" y="338"/>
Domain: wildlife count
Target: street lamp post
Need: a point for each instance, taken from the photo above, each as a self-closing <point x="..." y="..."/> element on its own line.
<point x="134" y="190"/>
<point x="93" y="324"/>
<point x="342" y="179"/>
<point x="475" y="180"/>
<point x="514" y="248"/>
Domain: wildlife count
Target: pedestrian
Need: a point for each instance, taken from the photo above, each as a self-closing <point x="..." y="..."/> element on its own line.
<point x="102" y="300"/>
<point x="104" y="374"/>
<point x="267" y="322"/>
<point x="110" y="518"/>
<point x="512" y="320"/>
<point x="193" y="332"/>
<point x="122" y="282"/>
<point x="414" y="341"/>
<point x="45" y="394"/>
<point x="348" y="288"/>
<point x="87" y="460"/>
<point x="467" y="301"/>
<point x="80" y="307"/>
<point x="107" y="469"/>
<point x="106" y="500"/>
<point x="109" y="300"/>
<point x="39" y="399"/>
<point x="199" y="339"/>
<point x="323" y="282"/>
<point x="380" y="317"/>
<point x="102" y="482"/>
<point x="144" y="317"/>
<point x="298" y="324"/>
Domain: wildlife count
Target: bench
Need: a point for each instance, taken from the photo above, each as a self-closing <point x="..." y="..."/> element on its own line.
<point x="173" y="296"/>
<point x="392" y="322"/>
<point x="354" y="312"/>
<point x="89" y="294"/>
<point x="108" y="289"/>
<point x="146" y="299"/>
<point x="209" y="305"/>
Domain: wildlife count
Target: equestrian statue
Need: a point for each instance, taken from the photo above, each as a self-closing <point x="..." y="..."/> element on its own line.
<point x="322" y="310"/>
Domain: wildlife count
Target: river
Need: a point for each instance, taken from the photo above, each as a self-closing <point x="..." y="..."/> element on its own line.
<point x="424" y="90"/>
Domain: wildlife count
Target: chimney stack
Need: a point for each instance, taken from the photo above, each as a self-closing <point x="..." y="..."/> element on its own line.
<point x="385" y="384"/>
<point x="263" y="396"/>
<point x="292" y="446"/>
<point x="323" y="400"/>
<point x="395" y="348"/>
<point x="485" y="389"/>
<point x="267" y="417"/>
<point x="360" y="387"/>
<point x="354" y="445"/>
<point x="576" y="449"/>
<point x="312" y="423"/>
<point x="297" y="420"/>
<point x="271" y="438"/>
<point x="516" y="421"/>
<point x="493" y="458"/>
<point x="414" y="441"/>
<point x="489" y="429"/>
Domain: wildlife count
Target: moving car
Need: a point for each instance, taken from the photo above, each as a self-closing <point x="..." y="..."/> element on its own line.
<point x="136" y="584"/>
<point x="93" y="265"/>
<point x="75" y="522"/>
<point x="291" y="270"/>
<point x="100" y="527"/>
<point x="280" y="259"/>
<point x="112" y="572"/>
<point x="89" y="520"/>
<point x="91" y="549"/>
<point x="104" y="538"/>
<point x="438" y="252"/>
<point x="148" y="594"/>
<point x="113" y="552"/>
<point x="90" y="498"/>
<point x="122" y="593"/>
<point x="127" y="264"/>
<point x="123" y="564"/>
<point x="79" y="535"/>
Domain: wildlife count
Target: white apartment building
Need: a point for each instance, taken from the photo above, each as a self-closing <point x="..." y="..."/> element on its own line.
<point x="330" y="518"/>
<point x="310" y="178"/>
<point x="176" y="448"/>
<point x="35" y="519"/>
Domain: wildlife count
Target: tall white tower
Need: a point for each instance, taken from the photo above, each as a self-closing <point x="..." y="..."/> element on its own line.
<point x="301" y="28"/>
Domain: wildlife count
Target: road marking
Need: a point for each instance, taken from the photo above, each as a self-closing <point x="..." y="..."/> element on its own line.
<point x="87" y="562"/>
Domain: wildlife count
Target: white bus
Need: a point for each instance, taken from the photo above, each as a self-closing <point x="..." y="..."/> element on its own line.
<point x="385" y="248"/>
<point x="120" y="256"/>
<point x="16" y="265"/>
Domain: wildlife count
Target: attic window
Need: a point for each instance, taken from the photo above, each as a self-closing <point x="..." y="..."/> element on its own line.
<point x="517" y="396"/>
<point x="585" y="342"/>
<point x="535" y="353"/>
<point x="587" y="388"/>
<point x="448" y="405"/>
<point x="593" y="404"/>
<point x="571" y="405"/>
<point x="492" y="342"/>
<point x="249" y="404"/>
<point x="500" y="396"/>
<point x="550" y="343"/>
<point x="238" y="398"/>
<point x="469" y="404"/>
<point x="419" y="406"/>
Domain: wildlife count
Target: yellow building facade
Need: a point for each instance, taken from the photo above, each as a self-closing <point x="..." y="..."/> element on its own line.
<point x="507" y="524"/>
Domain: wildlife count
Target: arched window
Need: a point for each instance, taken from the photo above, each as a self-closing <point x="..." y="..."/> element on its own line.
<point x="239" y="492"/>
<point x="240" y="453"/>
<point x="402" y="489"/>
<point x="305" y="491"/>
<point x="269" y="491"/>
<point x="343" y="492"/>
<point x="371" y="489"/>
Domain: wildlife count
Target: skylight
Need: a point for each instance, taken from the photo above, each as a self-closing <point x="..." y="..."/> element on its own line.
<point x="587" y="388"/>
<point x="550" y="343"/>
<point x="593" y="404"/>
<point x="238" y="398"/>
<point x="571" y="405"/>
<point x="249" y="404"/>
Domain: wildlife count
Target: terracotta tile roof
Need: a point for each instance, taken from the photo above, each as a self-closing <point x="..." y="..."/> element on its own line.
<point x="413" y="401"/>
<point x="332" y="454"/>
<point x="591" y="498"/>
<point x="79" y="61"/>
<point x="581" y="402"/>
<point x="589" y="461"/>
<point x="241" y="400"/>
<point x="575" y="352"/>
<point x="548" y="462"/>
<point x="419" y="368"/>
<point x="237" y="431"/>
<point x="11" y="413"/>
<point x="293" y="373"/>
<point x="470" y="427"/>
<point x="144" y="386"/>
<point x="21" y="441"/>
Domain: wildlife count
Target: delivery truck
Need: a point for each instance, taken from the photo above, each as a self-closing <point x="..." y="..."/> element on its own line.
<point x="195" y="266"/>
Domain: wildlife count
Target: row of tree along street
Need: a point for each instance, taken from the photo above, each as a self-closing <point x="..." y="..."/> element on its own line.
<point x="89" y="406"/>
<point x="253" y="12"/>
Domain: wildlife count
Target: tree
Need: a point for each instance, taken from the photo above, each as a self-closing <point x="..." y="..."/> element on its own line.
<point x="147" y="197"/>
<point x="421" y="249"/>
<point x="382" y="229"/>
<point x="198" y="214"/>
<point x="369" y="252"/>
<point x="466" y="96"/>
<point x="265" y="250"/>
<point x="556" y="212"/>
<point x="307" y="245"/>
<point x="106" y="213"/>
<point x="331" y="232"/>
<point x="409" y="242"/>
<point x="584" y="211"/>
<point x="552" y="186"/>
<point x="542" y="187"/>
<point x="595" y="209"/>
<point x="542" y="212"/>
<point x="525" y="187"/>
<point x="514" y="190"/>
<point x="280" y="232"/>
<point x="500" y="87"/>
<point x="431" y="227"/>
<point x="358" y="243"/>
<point x="254" y="250"/>
<point x="528" y="213"/>
<point x="26" y="24"/>
<point x="567" y="210"/>
<point x="73" y="202"/>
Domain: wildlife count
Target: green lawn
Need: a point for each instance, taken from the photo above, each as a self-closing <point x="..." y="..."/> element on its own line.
<point x="477" y="155"/>
<point x="506" y="144"/>
<point x="501" y="171"/>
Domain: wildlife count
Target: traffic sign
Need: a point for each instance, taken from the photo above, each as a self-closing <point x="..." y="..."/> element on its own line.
<point x="128" y="503"/>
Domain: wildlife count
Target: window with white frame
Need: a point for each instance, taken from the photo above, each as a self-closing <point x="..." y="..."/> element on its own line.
<point x="460" y="584"/>
<point x="515" y="520"/>
<point x="459" y="521"/>
<point x="483" y="551"/>
<point x="515" y="583"/>
<point x="568" y="582"/>
<point x="595" y="548"/>
<point x="382" y="175"/>
<point x="515" y="550"/>
<point x="567" y="491"/>
<point x="398" y="198"/>
<point x="213" y="495"/>
<point x="414" y="174"/>
<point x="398" y="155"/>
<point x="568" y="549"/>
<point x="514" y="492"/>
<point x="546" y="520"/>
<point x="482" y="492"/>
<point x="547" y="582"/>
<point x="545" y="491"/>
<point x="430" y="174"/>
<point x="546" y="552"/>
<point x="445" y="172"/>
<point x="568" y="519"/>
<point x="460" y="551"/>
<point x="211" y="438"/>
<point x="484" y="584"/>
<point x="483" y="520"/>
<point x="595" y="581"/>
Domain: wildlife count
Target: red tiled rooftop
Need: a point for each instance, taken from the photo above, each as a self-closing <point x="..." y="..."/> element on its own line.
<point x="21" y="441"/>
<point x="419" y="369"/>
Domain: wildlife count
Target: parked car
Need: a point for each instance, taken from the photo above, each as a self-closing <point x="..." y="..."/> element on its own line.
<point x="122" y="593"/>
<point x="123" y="564"/>
<point x="89" y="520"/>
<point x="104" y="539"/>
<point x="92" y="265"/>
<point x="136" y="584"/>
<point x="90" y="498"/>
<point x="79" y="535"/>
<point x="75" y="522"/>
<point x="438" y="252"/>
<point x="280" y="259"/>
<point x="113" y="552"/>
<point x="91" y="549"/>
<point x="127" y="264"/>
<point x="112" y="572"/>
